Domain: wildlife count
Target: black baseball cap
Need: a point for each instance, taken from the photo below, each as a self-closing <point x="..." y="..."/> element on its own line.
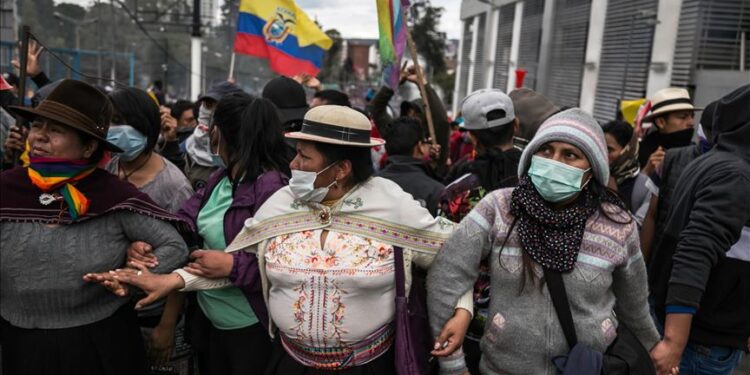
<point x="289" y="98"/>
<point x="220" y="90"/>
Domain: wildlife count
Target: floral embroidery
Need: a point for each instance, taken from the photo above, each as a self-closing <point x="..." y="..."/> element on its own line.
<point x="299" y="311"/>
<point x="355" y="203"/>
<point x="320" y="283"/>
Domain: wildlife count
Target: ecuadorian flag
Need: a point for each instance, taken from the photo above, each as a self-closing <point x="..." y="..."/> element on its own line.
<point x="278" y="30"/>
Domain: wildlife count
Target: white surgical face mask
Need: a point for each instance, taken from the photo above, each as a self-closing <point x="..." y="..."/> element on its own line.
<point x="302" y="184"/>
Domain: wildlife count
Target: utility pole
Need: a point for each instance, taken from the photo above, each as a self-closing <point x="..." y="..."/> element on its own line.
<point x="113" y="26"/>
<point x="99" y="42"/>
<point x="195" y="52"/>
<point x="76" y="25"/>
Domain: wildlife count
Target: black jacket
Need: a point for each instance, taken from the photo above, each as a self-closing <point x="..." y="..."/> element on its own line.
<point x="414" y="177"/>
<point x="711" y="206"/>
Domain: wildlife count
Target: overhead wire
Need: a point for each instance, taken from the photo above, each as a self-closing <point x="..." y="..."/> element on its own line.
<point x="158" y="45"/>
<point x="72" y="69"/>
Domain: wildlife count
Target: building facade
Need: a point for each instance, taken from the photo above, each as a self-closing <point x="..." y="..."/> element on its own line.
<point x="593" y="53"/>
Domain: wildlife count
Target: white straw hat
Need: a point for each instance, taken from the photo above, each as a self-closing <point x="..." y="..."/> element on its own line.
<point x="670" y="99"/>
<point x="337" y="125"/>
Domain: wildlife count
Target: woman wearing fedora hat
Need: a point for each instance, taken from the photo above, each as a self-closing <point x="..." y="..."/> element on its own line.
<point x="60" y="217"/>
<point x="329" y="248"/>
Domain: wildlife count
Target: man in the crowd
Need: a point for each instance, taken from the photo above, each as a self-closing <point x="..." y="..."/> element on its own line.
<point x="378" y="109"/>
<point x="334" y="97"/>
<point x="672" y="114"/>
<point x="664" y="181"/>
<point x="407" y="146"/>
<point x="700" y="271"/>
<point x="289" y="98"/>
<point x="531" y="109"/>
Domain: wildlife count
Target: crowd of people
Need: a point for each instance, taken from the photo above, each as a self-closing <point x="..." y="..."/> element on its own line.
<point x="290" y="233"/>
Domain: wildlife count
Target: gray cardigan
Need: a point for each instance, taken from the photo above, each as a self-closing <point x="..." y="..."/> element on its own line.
<point x="522" y="334"/>
<point x="42" y="268"/>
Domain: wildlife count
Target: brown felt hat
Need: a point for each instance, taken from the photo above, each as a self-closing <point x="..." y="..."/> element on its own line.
<point x="78" y="105"/>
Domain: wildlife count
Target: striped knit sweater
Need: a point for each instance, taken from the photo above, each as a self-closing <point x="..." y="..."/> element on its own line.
<point x="607" y="285"/>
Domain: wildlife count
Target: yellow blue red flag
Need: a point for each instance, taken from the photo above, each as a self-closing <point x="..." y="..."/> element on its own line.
<point x="278" y="30"/>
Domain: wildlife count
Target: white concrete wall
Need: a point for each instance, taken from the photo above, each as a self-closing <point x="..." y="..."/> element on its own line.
<point x="662" y="52"/>
<point x="593" y="55"/>
<point x="514" y="47"/>
<point x="489" y="73"/>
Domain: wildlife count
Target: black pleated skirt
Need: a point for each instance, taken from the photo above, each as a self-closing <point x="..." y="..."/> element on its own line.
<point x="112" y="346"/>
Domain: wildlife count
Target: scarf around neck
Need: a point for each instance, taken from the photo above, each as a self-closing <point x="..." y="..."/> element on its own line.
<point x="60" y="175"/>
<point x="626" y="165"/>
<point x="20" y="200"/>
<point x="552" y="237"/>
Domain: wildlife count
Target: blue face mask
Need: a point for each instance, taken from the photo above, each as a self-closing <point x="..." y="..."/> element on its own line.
<point x="216" y="159"/>
<point x="555" y="181"/>
<point x="131" y="141"/>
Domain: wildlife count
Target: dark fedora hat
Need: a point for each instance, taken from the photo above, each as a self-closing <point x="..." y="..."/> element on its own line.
<point x="78" y="105"/>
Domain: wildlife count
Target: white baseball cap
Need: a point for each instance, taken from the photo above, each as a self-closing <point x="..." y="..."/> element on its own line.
<point x="478" y="104"/>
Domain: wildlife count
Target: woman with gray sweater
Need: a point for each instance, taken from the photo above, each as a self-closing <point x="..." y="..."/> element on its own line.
<point x="61" y="217"/>
<point x="560" y="217"/>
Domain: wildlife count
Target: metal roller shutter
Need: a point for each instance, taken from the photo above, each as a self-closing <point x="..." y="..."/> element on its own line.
<point x="568" y="51"/>
<point x="684" y="50"/>
<point x="502" y="51"/>
<point x="478" y="61"/>
<point x="720" y="31"/>
<point x="626" y="55"/>
<point x="465" y="60"/>
<point x="531" y="35"/>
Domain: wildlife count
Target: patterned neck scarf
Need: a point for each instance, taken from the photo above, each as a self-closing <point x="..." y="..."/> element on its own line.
<point x="552" y="237"/>
<point x="626" y="165"/>
<point x="50" y="174"/>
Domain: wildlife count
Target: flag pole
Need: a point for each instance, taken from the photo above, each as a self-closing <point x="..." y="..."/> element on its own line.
<point x="421" y="84"/>
<point x="231" y="67"/>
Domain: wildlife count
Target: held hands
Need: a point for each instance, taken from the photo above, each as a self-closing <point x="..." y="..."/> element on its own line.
<point x="210" y="263"/>
<point x="155" y="286"/>
<point x="141" y="253"/>
<point x="452" y="336"/>
<point x="107" y="280"/>
<point x="666" y="356"/>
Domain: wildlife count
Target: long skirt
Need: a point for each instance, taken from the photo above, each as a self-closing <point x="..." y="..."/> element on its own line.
<point x="112" y="346"/>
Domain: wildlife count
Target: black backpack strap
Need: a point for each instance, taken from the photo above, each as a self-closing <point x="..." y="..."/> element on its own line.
<point x="398" y="260"/>
<point x="556" y="288"/>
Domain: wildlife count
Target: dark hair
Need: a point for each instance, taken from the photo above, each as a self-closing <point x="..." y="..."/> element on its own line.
<point x="136" y="108"/>
<point x="621" y="130"/>
<point x="334" y="97"/>
<point x="179" y="107"/>
<point x="360" y="157"/>
<point x="251" y="130"/>
<point x="407" y="105"/>
<point x="402" y="135"/>
<point x="86" y="138"/>
<point x="494" y="136"/>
